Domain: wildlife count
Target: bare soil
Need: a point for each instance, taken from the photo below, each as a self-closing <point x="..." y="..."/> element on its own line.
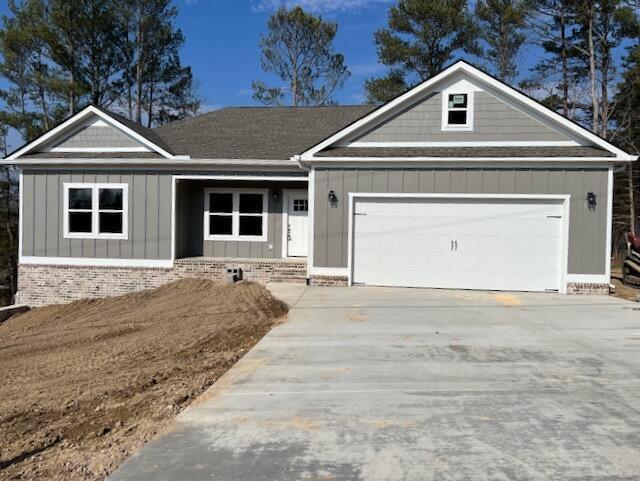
<point x="84" y="385"/>
<point x="622" y="290"/>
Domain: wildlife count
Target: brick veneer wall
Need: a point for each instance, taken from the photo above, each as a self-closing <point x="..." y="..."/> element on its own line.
<point x="48" y="284"/>
<point x="587" y="288"/>
<point x="328" y="281"/>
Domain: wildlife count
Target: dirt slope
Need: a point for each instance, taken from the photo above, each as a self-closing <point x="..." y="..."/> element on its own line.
<point x="84" y="384"/>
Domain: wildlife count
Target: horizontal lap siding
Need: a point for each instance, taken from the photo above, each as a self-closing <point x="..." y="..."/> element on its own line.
<point x="587" y="229"/>
<point x="149" y="219"/>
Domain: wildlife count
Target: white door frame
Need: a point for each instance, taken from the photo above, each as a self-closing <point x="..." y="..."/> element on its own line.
<point x="285" y="219"/>
<point x="564" y="259"/>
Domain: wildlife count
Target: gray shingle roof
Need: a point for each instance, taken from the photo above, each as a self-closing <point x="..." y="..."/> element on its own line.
<point x="257" y="132"/>
<point x="465" y="152"/>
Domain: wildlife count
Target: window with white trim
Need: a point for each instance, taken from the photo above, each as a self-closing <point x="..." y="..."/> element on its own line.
<point x="95" y="211"/>
<point x="457" y="110"/>
<point x="235" y="214"/>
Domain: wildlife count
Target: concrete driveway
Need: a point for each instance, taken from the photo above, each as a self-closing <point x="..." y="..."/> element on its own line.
<point x="410" y="384"/>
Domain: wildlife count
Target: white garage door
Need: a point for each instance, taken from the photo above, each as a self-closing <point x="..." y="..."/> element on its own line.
<point x="494" y="244"/>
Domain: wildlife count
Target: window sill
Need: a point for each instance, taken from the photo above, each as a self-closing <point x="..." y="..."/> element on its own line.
<point x="262" y="238"/>
<point x="462" y="128"/>
<point x="97" y="236"/>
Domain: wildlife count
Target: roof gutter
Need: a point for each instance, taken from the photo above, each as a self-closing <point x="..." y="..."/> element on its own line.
<point x="152" y="162"/>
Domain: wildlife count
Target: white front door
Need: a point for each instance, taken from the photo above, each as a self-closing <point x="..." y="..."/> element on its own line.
<point x="498" y="244"/>
<point x="297" y="225"/>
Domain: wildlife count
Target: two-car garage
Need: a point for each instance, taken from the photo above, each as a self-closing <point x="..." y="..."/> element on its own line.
<point x="494" y="242"/>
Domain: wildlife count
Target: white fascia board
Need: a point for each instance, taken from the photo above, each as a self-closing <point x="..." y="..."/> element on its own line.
<point x="409" y="160"/>
<point x="98" y="149"/>
<point x="175" y="161"/>
<point x="462" y="66"/>
<point x="95" y="262"/>
<point x="90" y="110"/>
<point x="487" y="143"/>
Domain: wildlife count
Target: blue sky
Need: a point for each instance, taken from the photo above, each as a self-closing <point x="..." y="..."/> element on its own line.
<point x="222" y="43"/>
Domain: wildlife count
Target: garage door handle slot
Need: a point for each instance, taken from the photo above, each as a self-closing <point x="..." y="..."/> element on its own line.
<point x="451" y="245"/>
<point x="554" y="217"/>
<point x="456" y="245"/>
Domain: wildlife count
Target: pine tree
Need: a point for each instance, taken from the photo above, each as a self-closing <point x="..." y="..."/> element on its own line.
<point x="501" y="24"/>
<point x="421" y="38"/>
<point x="298" y="49"/>
<point x="552" y="21"/>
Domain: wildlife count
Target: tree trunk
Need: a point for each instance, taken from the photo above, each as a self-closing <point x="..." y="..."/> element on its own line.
<point x="632" y="209"/>
<point x="565" y="63"/>
<point x="11" y="256"/>
<point x="139" y="63"/>
<point x="592" y="69"/>
<point x="150" y="107"/>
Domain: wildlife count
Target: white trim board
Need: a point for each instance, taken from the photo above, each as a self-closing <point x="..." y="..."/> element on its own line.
<point x="463" y="67"/>
<point x="609" y="240"/>
<point x="458" y="88"/>
<point x="311" y="189"/>
<point x="242" y="177"/>
<point x="588" y="278"/>
<point x="285" y="220"/>
<point x="99" y="149"/>
<point x="462" y="143"/>
<point x="329" y="271"/>
<point x="447" y="160"/>
<point x="565" y="199"/>
<point x="236" y="214"/>
<point x="95" y="262"/>
<point x="90" y="110"/>
<point x="95" y="210"/>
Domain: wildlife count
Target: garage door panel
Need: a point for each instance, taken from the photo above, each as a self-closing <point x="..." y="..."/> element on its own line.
<point x="502" y="244"/>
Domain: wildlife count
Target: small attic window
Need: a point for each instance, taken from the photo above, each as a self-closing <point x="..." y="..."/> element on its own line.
<point x="457" y="111"/>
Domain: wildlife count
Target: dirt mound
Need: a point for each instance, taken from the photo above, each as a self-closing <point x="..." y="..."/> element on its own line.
<point x="85" y="384"/>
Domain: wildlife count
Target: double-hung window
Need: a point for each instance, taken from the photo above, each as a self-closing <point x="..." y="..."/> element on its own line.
<point x="457" y="111"/>
<point x="235" y="214"/>
<point x="95" y="211"/>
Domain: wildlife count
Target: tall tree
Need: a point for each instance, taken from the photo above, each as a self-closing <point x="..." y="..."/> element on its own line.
<point x="552" y="21"/>
<point x="16" y="49"/>
<point x="601" y="29"/>
<point x="298" y="49"/>
<point x="421" y="37"/>
<point x="151" y="53"/>
<point x="626" y="116"/>
<point x="501" y="25"/>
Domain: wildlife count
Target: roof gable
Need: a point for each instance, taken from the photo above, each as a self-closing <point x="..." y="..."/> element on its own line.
<point x="94" y="130"/>
<point x="507" y="118"/>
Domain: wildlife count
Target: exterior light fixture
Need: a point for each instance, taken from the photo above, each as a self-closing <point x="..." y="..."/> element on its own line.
<point x="275" y="195"/>
<point x="591" y="201"/>
<point x="332" y="198"/>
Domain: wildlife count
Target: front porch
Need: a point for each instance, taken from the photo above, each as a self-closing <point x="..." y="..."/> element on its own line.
<point x="230" y="221"/>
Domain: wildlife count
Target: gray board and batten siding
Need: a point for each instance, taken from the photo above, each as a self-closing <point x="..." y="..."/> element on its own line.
<point x="493" y="120"/>
<point x="190" y="240"/>
<point x="587" y="229"/>
<point x="149" y="216"/>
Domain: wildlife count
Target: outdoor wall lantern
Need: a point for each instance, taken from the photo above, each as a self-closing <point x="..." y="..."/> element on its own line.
<point x="275" y="196"/>
<point x="332" y="198"/>
<point x="591" y="201"/>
